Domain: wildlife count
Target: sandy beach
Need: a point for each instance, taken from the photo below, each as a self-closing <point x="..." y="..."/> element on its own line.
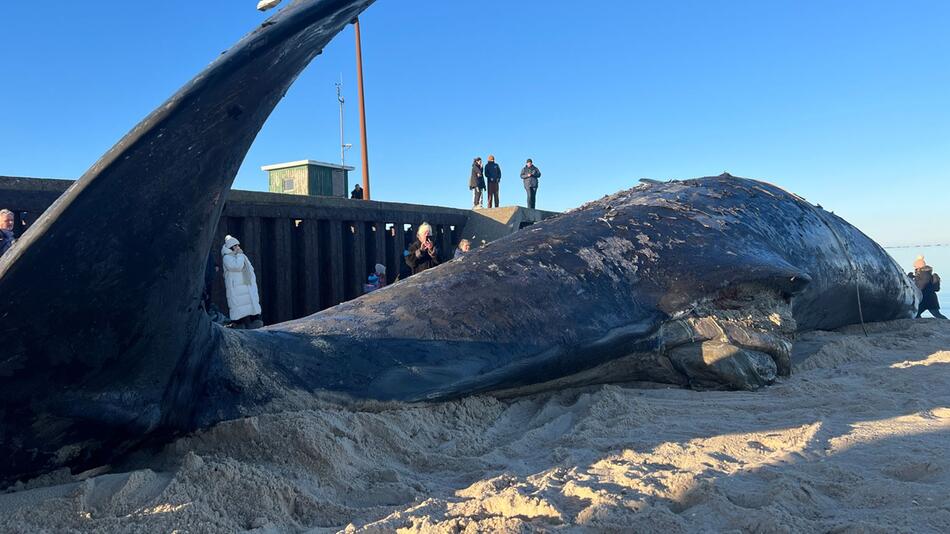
<point x="854" y="441"/>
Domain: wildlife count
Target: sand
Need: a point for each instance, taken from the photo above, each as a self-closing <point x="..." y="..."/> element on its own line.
<point x="856" y="440"/>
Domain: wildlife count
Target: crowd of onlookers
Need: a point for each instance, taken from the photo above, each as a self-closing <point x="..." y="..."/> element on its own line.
<point x="489" y="177"/>
<point x="243" y="295"/>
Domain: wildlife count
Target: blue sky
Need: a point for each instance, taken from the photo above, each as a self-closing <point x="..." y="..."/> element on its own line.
<point x="845" y="103"/>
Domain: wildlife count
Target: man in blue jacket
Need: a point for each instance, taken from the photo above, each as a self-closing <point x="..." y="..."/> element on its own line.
<point x="493" y="176"/>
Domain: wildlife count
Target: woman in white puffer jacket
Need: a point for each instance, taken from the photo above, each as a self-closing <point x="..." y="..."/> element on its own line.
<point x="244" y="302"/>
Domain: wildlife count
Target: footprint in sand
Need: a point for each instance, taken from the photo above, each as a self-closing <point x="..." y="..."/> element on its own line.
<point x="925" y="472"/>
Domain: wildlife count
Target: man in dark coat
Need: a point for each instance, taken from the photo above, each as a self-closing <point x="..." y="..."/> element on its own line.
<point x="927" y="282"/>
<point x="357" y="192"/>
<point x="493" y="176"/>
<point x="476" y="183"/>
<point x="6" y="231"/>
<point x="530" y="175"/>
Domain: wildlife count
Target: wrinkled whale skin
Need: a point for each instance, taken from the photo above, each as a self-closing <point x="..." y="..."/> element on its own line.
<point x="107" y="349"/>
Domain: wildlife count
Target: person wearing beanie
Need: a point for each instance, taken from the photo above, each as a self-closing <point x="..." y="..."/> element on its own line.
<point x="929" y="283"/>
<point x="240" y="283"/>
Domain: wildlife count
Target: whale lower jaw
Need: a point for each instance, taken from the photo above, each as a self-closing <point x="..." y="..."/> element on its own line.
<point x="742" y="343"/>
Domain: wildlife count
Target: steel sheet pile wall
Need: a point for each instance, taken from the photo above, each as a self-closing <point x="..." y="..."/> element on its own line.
<point x="310" y="253"/>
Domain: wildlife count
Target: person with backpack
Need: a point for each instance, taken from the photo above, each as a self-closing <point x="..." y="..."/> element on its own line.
<point x="929" y="283"/>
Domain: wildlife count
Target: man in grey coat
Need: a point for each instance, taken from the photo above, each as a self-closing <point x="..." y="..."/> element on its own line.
<point x="530" y="175"/>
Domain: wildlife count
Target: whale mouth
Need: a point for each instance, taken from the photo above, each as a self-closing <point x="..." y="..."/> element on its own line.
<point x="738" y="339"/>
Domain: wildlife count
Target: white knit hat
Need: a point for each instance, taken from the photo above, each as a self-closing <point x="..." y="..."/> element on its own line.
<point x="230" y="241"/>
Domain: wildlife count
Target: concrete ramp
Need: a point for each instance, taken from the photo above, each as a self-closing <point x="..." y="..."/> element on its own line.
<point x="486" y="225"/>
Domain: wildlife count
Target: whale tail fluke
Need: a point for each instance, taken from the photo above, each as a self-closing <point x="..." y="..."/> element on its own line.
<point x="101" y="296"/>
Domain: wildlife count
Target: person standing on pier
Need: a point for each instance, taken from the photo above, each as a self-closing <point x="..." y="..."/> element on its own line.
<point x="476" y="183"/>
<point x="357" y="192"/>
<point x="530" y="175"/>
<point x="493" y="177"/>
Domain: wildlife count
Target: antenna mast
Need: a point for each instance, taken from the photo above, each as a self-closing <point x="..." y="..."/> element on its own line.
<point x="343" y="145"/>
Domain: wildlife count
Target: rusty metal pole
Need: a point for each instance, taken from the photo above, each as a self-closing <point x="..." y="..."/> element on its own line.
<point x="359" y="82"/>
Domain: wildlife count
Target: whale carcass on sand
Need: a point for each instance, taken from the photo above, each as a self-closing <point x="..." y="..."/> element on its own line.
<point x="105" y="347"/>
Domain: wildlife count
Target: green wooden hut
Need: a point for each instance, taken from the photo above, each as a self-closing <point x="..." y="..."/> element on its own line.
<point x="308" y="177"/>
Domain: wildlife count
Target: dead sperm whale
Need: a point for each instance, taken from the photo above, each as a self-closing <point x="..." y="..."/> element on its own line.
<point x="698" y="282"/>
<point x="105" y="347"/>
